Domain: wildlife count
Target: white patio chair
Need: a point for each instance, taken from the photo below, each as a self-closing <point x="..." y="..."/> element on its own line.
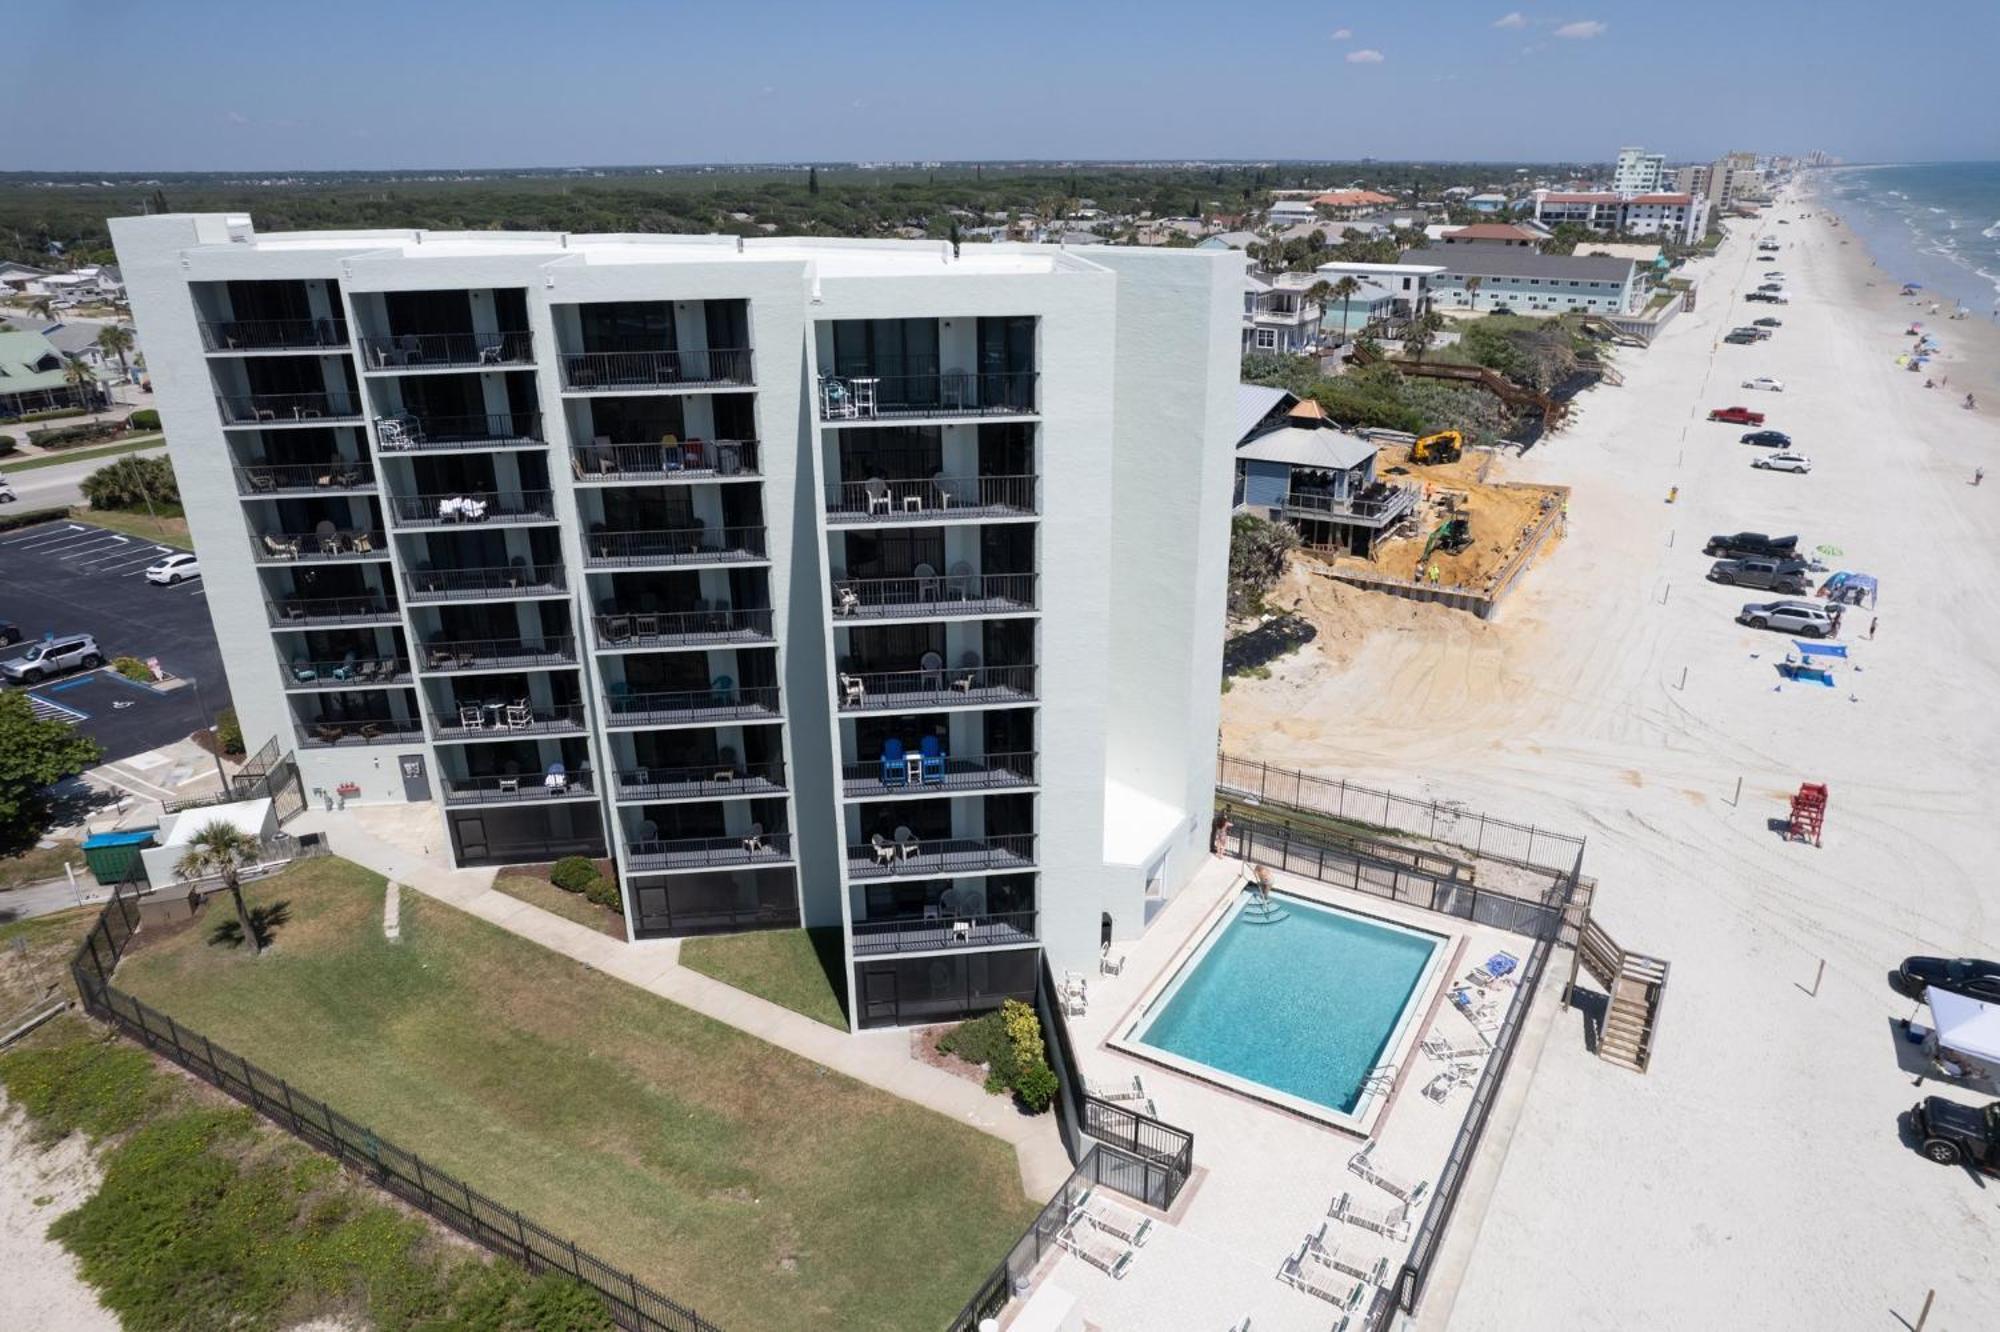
<point x="885" y="850"/>
<point x="472" y="719"/>
<point x="853" y="691"/>
<point x="1112" y="1217"/>
<point x="1392" y="1182"/>
<point x="878" y="495"/>
<point x="1097" y="1249"/>
<point x="1116" y="1091"/>
<point x="1337" y="1289"/>
<point x="846" y="601"/>
<point x="907" y="845"/>
<point x="1390" y="1220"/>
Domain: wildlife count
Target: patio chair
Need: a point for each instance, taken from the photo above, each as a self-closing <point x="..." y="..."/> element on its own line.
<point x="1390" y="1220"/>
<point x="846" y="601"/>
<point x="391" y="433"/>
<point x="932" y="750"/>
<point x="926" y="579"/>
<point x="853" y="691"/>
<point x="1135" y="1090"/>
<point x="1336" y="1288"/>
<point x="556" y="779"/>
<point x="329" y="537"/>
<point x="302" y="671"/>
<point x="884" y="849"/>
<point x="410" y="350"/>
<point x="931" y="667"/>
<point x="344" y="671"/>
<point x="1496" y="970"/>
<point x="492" y="353"/>
<point x="878" y="495"/>
<point x="1112" y="1217"/>
<point x="1482" y="1013"/>
<point x="722" y="691"/>
<point x="754" y="842"/>
<point x="617" y="628"/>
<point x="646" y="626"/>
<point x="371" y="730"/>
<point x="371" y="669"/>
<point x="510" y="786"/>
<point x="945" y="490"/>
<point x="963" y="583"/>
<point x="1096" y="1248"/>
<point x="895" y="768"/>
<point x="1449" y="1080"/>
<point x="1447" y="1050"/>
<point x="907" y="845"/>
<point x="1392" y="1182"/>
<point x="281" y="548"/>
<point x="1110" y="963"/>
<point x="694" y="456"/>
<point x="1346" y="1257"/>
<point x="519" y="717"/>
<point x="472" y="719"/>
<point x="263" y="481"/>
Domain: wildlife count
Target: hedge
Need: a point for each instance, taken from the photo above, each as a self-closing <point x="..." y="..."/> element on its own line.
<point x="69" y="436"/>
<point x="29" y="517"/>
<point x="53" y="414"/>
<point x="144" y="419"/>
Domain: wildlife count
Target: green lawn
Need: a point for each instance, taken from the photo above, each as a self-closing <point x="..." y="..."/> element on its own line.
<point x="60" y="457"/>
<point x="800" y="969"/>
<point x="170" y="529"/>
<point x="762" y="1189"/>
<point x="537" y="889"/>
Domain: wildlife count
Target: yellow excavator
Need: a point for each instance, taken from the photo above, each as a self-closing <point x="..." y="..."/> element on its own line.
<point x="1443" y="447"/>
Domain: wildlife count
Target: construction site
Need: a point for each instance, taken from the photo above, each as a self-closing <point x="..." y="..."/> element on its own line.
<point x="1471" y="530"/>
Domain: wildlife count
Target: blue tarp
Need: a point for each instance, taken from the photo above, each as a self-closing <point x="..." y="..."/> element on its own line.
<point x="136" y="837"/>
<point x="1820" y="649"/>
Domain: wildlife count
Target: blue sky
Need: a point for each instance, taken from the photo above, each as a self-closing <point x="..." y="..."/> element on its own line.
<point x="187" y="85"/>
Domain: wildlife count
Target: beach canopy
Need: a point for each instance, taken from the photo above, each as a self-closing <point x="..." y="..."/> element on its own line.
<point x="1850" y="589"/>
<point x="1966" y="1025"/>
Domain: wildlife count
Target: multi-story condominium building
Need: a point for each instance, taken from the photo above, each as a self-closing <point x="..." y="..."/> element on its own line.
<point x="848" y="584"/>
<point x="1681" y="217"/>
<point x="1638" y="172"/>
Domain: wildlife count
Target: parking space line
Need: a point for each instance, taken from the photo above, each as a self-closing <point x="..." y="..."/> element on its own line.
<point x="66" y="540"/>
<point x="66" y="529"/>
<point x="88" y="546"/>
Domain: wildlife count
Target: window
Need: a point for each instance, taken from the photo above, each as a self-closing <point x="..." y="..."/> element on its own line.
<point x="1267" y="339"/>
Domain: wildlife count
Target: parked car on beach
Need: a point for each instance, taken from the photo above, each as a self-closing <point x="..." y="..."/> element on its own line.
<point x="1759" y="571"/>
<point x="1783" y="462"/>
<point x="1768" y="322"/>
<point x="1973" y="977"/>
<point x="1741" y="337"/>
<point x="1766" y="384"/>
<point x="1737" y="416"/>
<point x="1739" y="544"/>
<point x="1790" y="617"/>
<point x="1767" y="439"/>
<point x="1954" y="1134"/>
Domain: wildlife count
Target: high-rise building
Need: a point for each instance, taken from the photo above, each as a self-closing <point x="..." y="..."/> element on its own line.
<point x="1638" y="172"/>
<point x="1733" y="178"/>
<point x="841" y="583"/>
<point x="1692" y="180"/>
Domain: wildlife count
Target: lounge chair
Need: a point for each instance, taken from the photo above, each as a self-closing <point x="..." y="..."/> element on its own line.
<point x="1449" y="1080"/>
<point x="1496" y="970"/>
<point x="555" y="780"/>
<point x="1112" y="1217"/>
<point x="1359" y="1260"/>
<point x="846" y="601"/>
<point x="932" y="750"/>
<point x="907" y="845"/>
<point x="1390" y="1220"/>
<point x="283" y="549"/>
<point x="1096" y="1248"/>
<point x="1449" y="1050"/>
<point x="1116" y="1091"/>
<point x="472" y="719"/>
<point x="878" y="495"/>
<point x="754" y="841"/>
<point x="1337" y="1289"/>
<point x="1483" y="1014"/>
<point x="1392" y="1182"/>
<point x="853" y="691"/>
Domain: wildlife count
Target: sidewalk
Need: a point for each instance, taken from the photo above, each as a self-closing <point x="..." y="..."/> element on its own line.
<point x="398" y="842"/>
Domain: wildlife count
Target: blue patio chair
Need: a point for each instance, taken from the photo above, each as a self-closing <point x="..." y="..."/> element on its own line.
<point x="723" y="690"/>
<point x="895" y="771"/>
<point x="556" y="779"/>
<point x="344" y="671"/>
<point x="933" y="756"/>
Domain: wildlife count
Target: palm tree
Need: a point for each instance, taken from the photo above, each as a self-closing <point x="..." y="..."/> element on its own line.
<point x="42" y="308"/>
<point x="80" y="377"/>
<point x="1472" y="286"/>
<point x="220" y="847"/>
<point x="1345" y="289"/>
<point x="1418" y="337"/>
<point x="115" y="340"/>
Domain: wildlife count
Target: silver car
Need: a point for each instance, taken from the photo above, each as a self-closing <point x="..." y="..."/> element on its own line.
<point x="53" y="656"/>
<point x="1791" y="617"/>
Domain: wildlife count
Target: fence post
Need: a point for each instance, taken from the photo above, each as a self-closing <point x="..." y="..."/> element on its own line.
<point x="422" y="1183"/>
<point x="633" y="1282"/>
<point x="286" y="1088"/>
<point x="575" y="1264"/>
<point x="521" y="1232"/>
<point x="471" y="1215"/>
<point x="1480" y="845"/>
<point x="1263" y="780"/>
<point x="1434" y="820"/>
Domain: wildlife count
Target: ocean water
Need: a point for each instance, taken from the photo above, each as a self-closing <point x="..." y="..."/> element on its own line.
<point x="1936" y="223"/>
<point x="1304" y="1006"/>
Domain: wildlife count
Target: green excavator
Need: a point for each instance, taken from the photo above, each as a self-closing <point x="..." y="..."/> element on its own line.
<point x="1452" y="535"/>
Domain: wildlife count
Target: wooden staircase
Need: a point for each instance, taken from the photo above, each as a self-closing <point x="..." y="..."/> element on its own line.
<point x="1637" y="985"/>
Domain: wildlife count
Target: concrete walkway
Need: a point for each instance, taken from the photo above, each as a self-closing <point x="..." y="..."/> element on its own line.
<point x="404" y="843"/>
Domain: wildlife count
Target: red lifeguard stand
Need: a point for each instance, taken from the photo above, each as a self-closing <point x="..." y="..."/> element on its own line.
<point x="1808" y="812"/>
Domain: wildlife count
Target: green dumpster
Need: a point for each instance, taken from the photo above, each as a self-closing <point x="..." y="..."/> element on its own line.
<point x="113" y="857"/>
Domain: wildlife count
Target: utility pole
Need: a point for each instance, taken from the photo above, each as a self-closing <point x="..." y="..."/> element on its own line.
<point x="215" y="732"/>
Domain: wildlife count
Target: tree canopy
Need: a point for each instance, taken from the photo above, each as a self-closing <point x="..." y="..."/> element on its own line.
<point x="34" y="755"/>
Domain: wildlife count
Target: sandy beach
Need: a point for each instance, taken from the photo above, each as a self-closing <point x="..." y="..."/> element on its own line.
<point x="37" y="1185"/>
<point x="1754" y="1177"/>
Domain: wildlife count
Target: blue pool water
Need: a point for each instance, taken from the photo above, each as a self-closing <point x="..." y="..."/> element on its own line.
<point x="1304" y="1005"/>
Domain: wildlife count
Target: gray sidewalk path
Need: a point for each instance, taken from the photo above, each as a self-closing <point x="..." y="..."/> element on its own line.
<point x="380" y="840"/>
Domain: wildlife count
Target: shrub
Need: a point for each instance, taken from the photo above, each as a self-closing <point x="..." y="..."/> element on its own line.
<point x="573" y="874"/>
<point x="604" y="892"/>
<point x="144" y="419"/>
<point x="229" y="731"/>
<point x="983" y="1040"/>
<point x="29" y="517"/>
<point x="6" y="444"/>
<point x="1035" y="1084"/>
<point x="133" y="669"/>
<point x="70" y="436"/>
<point x="130" y="482"/>
<point x="1024" y="1032"/>
<point x="53" y="414"/>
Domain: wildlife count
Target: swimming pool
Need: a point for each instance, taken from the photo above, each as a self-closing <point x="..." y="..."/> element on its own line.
<point x="1297" y="1010"/>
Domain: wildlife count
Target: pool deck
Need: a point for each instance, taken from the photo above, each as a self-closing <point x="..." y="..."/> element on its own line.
<point x="1265" y="1177"/>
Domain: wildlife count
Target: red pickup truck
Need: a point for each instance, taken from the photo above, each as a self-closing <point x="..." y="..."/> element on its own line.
<point x="1737" y="416"/>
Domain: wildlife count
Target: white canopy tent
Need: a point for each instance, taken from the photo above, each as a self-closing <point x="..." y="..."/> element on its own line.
<point x="1967" y="1026"/>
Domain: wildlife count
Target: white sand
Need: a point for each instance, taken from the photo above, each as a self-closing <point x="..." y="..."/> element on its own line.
<point x="42" y="1288"/>
<point x="1753" y="1178"/>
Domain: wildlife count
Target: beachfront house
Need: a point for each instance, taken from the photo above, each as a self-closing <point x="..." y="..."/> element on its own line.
<point x="1278" y="316"/>
<point x="1490" y="277"/>
<point x="1317" y="477"/>
<point x="1677" y="217"/>
<point x="33" y="376"/>
<point x="1407" y="284"/>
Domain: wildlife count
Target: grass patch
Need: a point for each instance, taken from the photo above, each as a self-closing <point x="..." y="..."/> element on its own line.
<point x="758" y="1187"/>
<point x="39" y="864"/>
<point x="35" y="954"/>
<point x="165" y="524"/>
<point x="536" y="889"/>
<point x="796" y="969"/>
<point x="133" y="445"/>
<point x="1278" y="816"/>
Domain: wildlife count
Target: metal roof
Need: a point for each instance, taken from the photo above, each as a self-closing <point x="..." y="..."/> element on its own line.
<point x="1516" y="262"/>
<point x="1254" y="402"/>
<point x="1331" y="450"/>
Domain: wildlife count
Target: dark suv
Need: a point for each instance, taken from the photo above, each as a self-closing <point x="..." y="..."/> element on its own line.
<point x="1760" y="571"/>
<point x="1954" y="1134"/>
<point x="1973" y="977"/>
<point x="1737" y="545"/>
<point x="10" y="633"/>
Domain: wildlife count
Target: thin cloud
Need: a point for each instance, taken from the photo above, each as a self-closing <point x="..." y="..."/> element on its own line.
<point x="1582" y="32"/>
<point x="237" y="118"/>
<point x="1342" y="34"/>
<point x="1515" y="19"/>
<point x="1365" y="56"/>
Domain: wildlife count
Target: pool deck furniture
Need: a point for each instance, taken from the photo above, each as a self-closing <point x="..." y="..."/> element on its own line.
<point x="1390" y="1220"/>
<point x="1096" y="1248"/>
<point x="1442" y="1047"/>
<point x="1495" y="971"/>
<point x="1392" y="1182"/>
<point x="1113" y="1218"/>
<point x="1347" y="1255"/>
<point x="1116" y="1091"/>
<point x="1450" y="1079"/>
<point x="1315" y="1278"/>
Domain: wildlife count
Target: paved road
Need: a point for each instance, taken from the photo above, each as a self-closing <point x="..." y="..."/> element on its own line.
<point x="54" y="487"/>
<point x="45" y="899"/>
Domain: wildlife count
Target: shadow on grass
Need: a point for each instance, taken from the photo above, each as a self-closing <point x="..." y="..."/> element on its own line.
<point x="826" y="946"/>
<point x="264" y="922"/>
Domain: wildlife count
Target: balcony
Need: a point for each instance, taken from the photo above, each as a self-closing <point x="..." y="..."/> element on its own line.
<point x="288" y="409"/>
<point x="320" y="546"/>
<point x="380" y="731"/>
<point x="931" y="596"/>
<point x="912" y="774"/>
<point x="934" y="932"/>
<point x="246" y="335"/>
<point x="401" y="352"/>
<point x="352" y="671"/>
<point x="720" y="625"/>
<point x="530" y="788"/>
<point x="673" y="546"/>
<point x="723" y="701"/>
<point x="708" y="852"/>
<point x="326" y="612"/>
<point x="636" y="371"/>
<point x="910" y="857"/>
<point x="334" y="476"/>
<point x="472" y="509"/>
<point x="936" y="500"/>
<point x="937" y="688"/>
<point x="458" y="434"/>
<point x="506" y="721"/>
<point x="1377" y="506"/>
<point x="712" y="781"/>
<point x="689" y="460"/>
<point x="519" y="579"/>
<point x="847" y="399"/>
<point x="442" y="655"/>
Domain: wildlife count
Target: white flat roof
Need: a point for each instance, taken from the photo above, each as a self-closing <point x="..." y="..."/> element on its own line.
<point x="1380" y="268"/>
<point x="246" y="816"/>
<point x="1135" y="824"/>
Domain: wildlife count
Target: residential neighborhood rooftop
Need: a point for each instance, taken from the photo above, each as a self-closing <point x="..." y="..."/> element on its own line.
<point x="1508" y="261"/>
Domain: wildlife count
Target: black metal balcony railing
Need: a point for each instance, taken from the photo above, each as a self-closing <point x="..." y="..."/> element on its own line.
<point x="486" y="654"/>
<point x="482" y="719"/>
<point x="707" y="852"/>
<point x="305" y="612"/>
<point x="377" y="731"/>
<point x="354" y="670"/>
<point x="656" y="369"/>
<point x="913" y="774"/>
<point x="933" y="594"/>
<point x="471" y="507"/>
<point x="1373" y="509"/>
<point x="304" y="478"/>
<point x="948" y="393"/>
<point x="317" y="546"/>
<point x="273" y="334"/>
<point x="433" y="351"/>
<point x="689" y="460"/>
<point x="414" y="434"/>
<point x="931" y="500"/>
<point x="937" y="931"/>
<point x="519" y="578"/>
<point x="723" y="701"/>
<point x="287" y="408"/>
<point x="722" y="624"/>
<point x="882" y="857"/>
<point x="942" y="687"/>
<point x="512" y="788"/>
<point x="677" y="545"/>
<point x="709" y="780"/>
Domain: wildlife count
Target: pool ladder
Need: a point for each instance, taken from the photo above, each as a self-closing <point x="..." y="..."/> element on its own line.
<point x="1261" y="911"/>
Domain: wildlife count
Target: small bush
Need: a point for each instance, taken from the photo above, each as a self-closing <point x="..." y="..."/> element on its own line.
<point x="573" y="874"/>
<point x="604" y="892"/>
<point x="29" y="517"/>
<point x="1035" y="1084"/>
<point x="133" y="669"/>
<point x="131" y="482"/>
<point x="69" y="436"/>
<point x="96" y="1086"/>
<point x="229" y="731"/>
<point x="1024" y="1032"/>
<point x="53" y="414"/>
<point x="984" y="1040"/>
<point x="144" y="419"/>
<point x="6" y="443"/>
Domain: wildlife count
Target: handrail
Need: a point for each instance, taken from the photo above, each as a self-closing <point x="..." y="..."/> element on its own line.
<point x="429" y="351"/>
<point x="620" y="628"/>
<point x="674" y="545"/>
<point x="986" y="772"/>
<point x="721" y="701"/>
<point x="935" y="856"/>
<point x="908" y="934"/>
<point x="316" y="734"/>
<point x="965" y="593"/>
<point x="644" y="782"/>
<point x="273" y="334"/>
<point x="293" y="612"/>
<point x="504" y="719"/>
<point x="289" y="547"/>
<point x="333" y="474"/>
<point x="584" y="371"/>
<point x="687" y="460"/>
<point x="414" y="434"/>
<point x="844" y="397"/>
<point x="495" y="787"/>
<point x="448" y="654"/>
<point x="929" y="499"/>
<point x="704" y="852"/>
<point x="444" y="584"/>
<point x="353" y="671"/>
<point x="945" y="686"/>
<point x="455" y="508"/>
<point x="286" y="408"/>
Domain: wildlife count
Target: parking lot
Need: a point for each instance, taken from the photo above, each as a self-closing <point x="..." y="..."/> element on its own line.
<point x="69" y="577"/>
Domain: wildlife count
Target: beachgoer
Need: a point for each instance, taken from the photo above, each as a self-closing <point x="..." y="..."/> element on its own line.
<point x="1978" y="475"/>
<point x="1872" y="621"/>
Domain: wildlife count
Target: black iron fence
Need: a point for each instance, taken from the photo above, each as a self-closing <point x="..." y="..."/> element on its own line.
<point x="273" y="334"/>
<point x="682" y="460"/>
<point x="631" y="1304"/>
<point x="645" y="369"/>
<point x="431" y="351"/>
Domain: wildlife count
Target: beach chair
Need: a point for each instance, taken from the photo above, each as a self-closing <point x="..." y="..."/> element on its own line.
<point x="1110" y="963"/>
<point x="1096" y="1248"/>
<point x="1112" y="1217"/>
<point x="1449" y="1080"/>
<point x="1481" y="1013"/>
<point x="1314" y="1278"/>
<point x="1392" y="1182"/>
<point x="1446" y="1049"/>
<point x="846" y="601"/>
<point x="1389" y="1220"/>
<point x="884" y="849"/>
<point x="1116" y="1091"/>
<point x="1345" y="1256"/>
<point x="1494" y="971"/>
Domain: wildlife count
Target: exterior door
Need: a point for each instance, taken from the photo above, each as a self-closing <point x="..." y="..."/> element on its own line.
<point x="416" y="785"/>
<point x="878" y="995"/>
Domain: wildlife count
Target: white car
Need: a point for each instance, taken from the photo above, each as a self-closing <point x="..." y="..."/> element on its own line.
<point x="1766" y="383"/>
<point x="1783" y="462"/>
<point x="173" y="569"/>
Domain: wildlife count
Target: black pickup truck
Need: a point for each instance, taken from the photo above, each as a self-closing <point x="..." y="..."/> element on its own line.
<point x="1953" y="1134"/>
<point x="1737" y="545"/>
